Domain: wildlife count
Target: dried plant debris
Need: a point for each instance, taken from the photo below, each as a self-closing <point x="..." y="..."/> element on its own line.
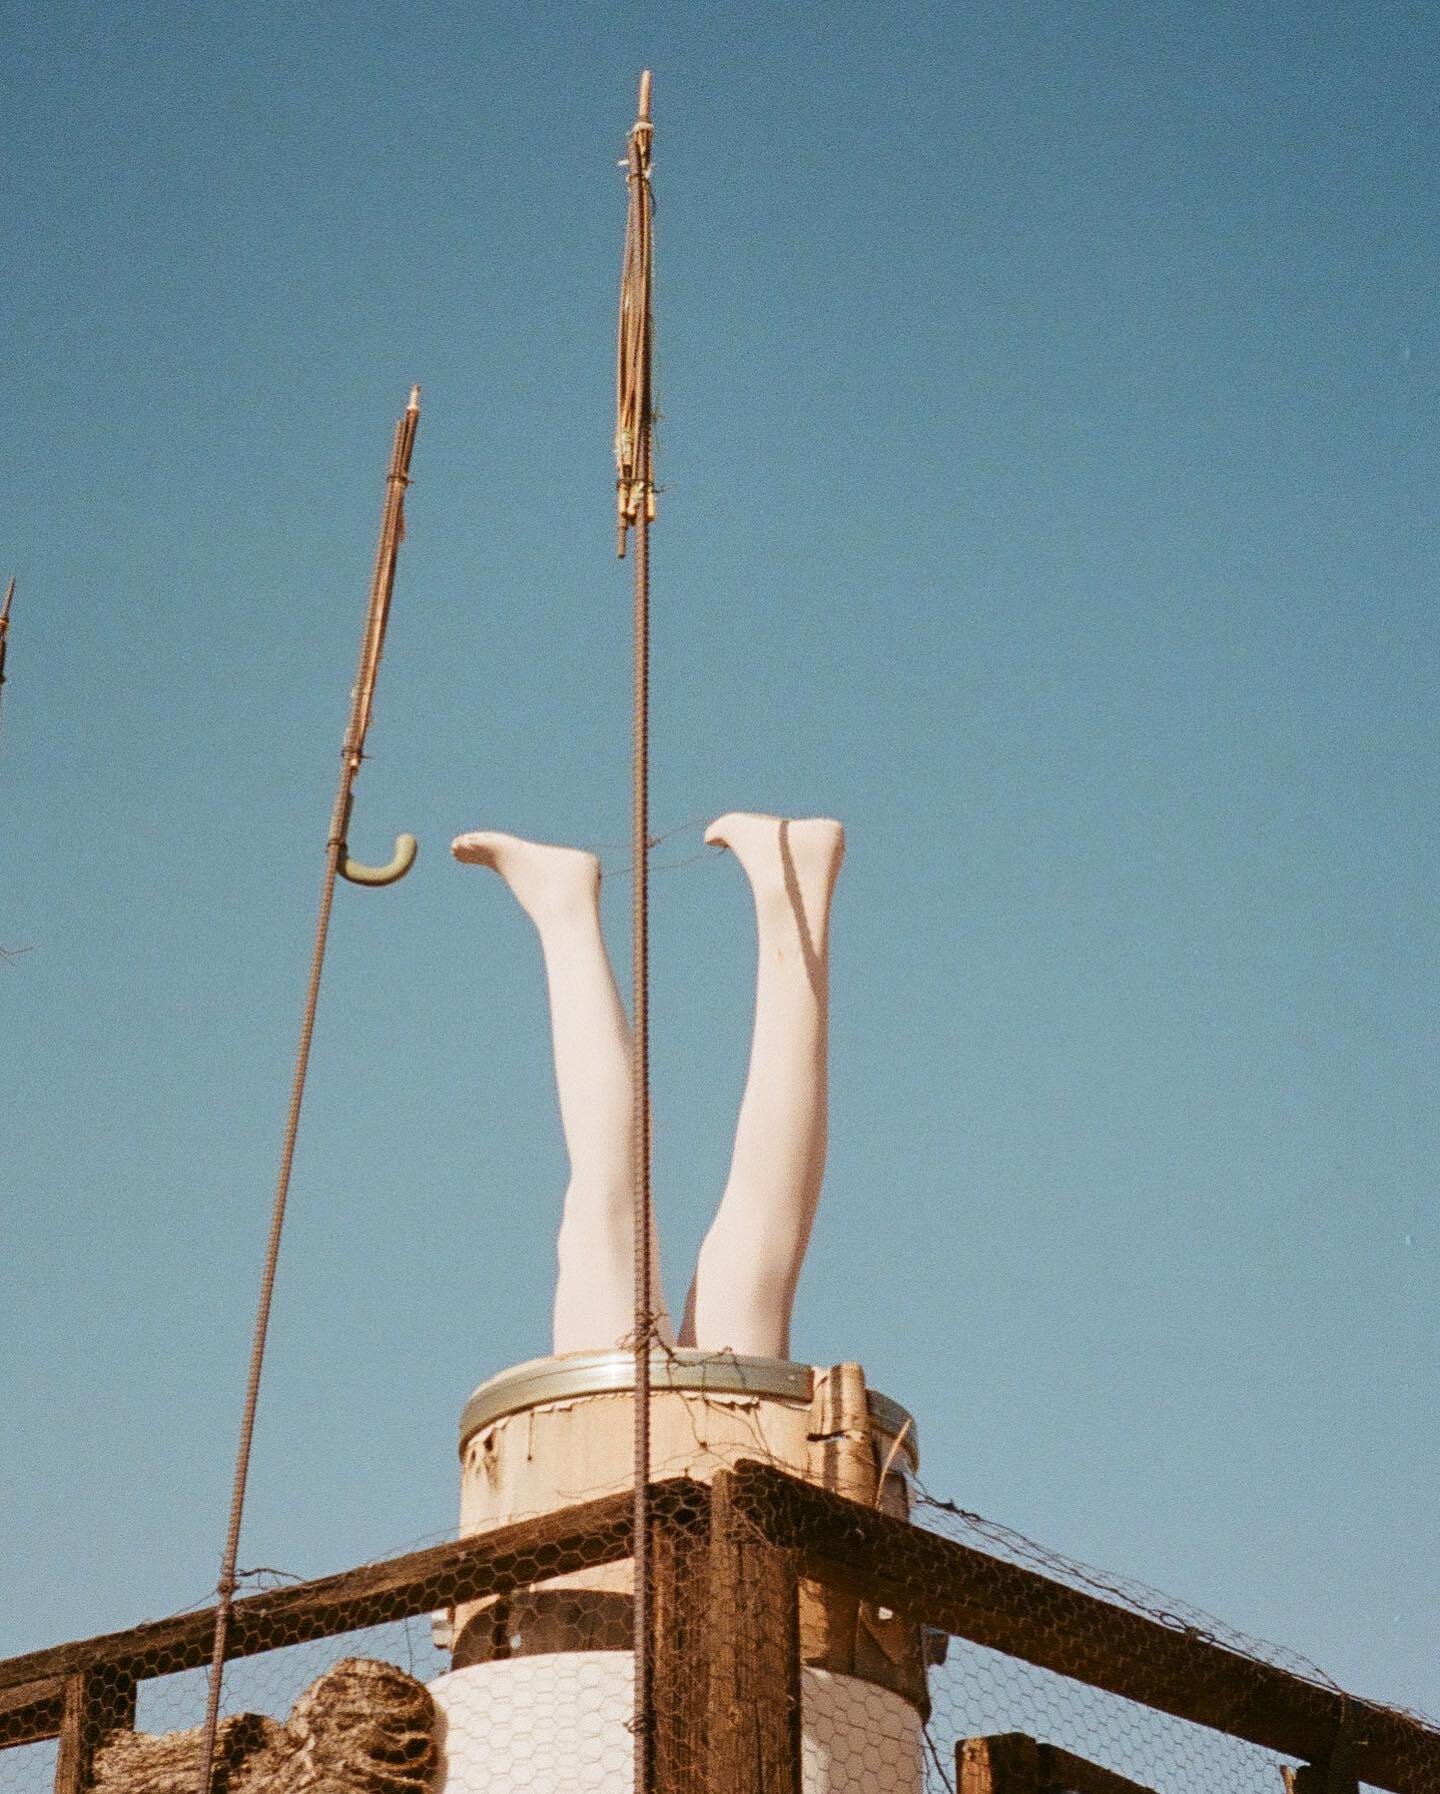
<point x="169" y="1762"/>
<point x="362" y="1728"/>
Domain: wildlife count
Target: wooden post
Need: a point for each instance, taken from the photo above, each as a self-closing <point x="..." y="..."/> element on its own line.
<point x="1013" y="1763"/>
<point x="1008" y="1763"/>
<point x="1320" y="1778"/>
<point x="844" y="1458"/>
<point x="838" y="1630"/>
<point x="753" y="1718"/>
<point x="680" y="1625"/>
<point x="96" y="1701"/>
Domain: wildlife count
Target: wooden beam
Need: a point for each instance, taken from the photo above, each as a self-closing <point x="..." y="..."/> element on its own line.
<point x="753" y="1723"/>
<point x="32" y="1711"/>
<point x="575" y="1538"/>
<point x="939" y="1582"/>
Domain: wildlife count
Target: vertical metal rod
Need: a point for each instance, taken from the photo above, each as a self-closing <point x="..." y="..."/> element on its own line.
<point x="634" y="444"/>
<point x="351" y="755"/>
<point x="640" y="1076"/>
<point x="5" y="625"/>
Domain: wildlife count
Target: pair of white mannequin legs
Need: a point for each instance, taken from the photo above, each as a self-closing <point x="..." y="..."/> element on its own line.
<point x="744" y="1285"/>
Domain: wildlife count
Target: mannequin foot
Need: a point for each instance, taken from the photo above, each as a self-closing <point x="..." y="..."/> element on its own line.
<point x="785" y="857"/>
<point x="542" y="878"/>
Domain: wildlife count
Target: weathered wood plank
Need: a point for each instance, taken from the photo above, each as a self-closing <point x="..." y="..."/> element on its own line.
<point x="1333" y="1777"/>
<point x="1015" y="1763"/>
<point x="678" y="1650"/>
<point x="97" y="1701"/>
<point x="32" y="1711"/>
<point x="575" y="1538"/>
<point x="1005" y="1763"/>
<point x="1059" y="1770"/>
<point x="943" y="1583"/>
<point x="753" y="1719"/>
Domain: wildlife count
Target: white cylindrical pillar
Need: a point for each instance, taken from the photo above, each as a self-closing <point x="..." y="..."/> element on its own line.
<point x="540" y="1695"/>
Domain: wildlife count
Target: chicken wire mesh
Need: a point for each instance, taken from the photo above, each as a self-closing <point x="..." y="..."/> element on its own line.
<point x="794" y="1630"/>
<point x="28" y="1768"/>
<point x="271" y="1682"/>
<point x="977" y="1692"/>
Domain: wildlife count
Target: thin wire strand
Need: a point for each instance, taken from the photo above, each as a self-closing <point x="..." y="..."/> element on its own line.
<point x="691" y="859"/>
<point x="655" y="840"/>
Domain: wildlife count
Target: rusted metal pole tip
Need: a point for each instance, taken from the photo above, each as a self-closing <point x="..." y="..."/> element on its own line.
<point x="414" y="404"/>
<point x="643" y="108"/>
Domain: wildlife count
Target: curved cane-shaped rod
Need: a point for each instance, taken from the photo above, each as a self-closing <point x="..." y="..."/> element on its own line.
<point x="394" y="869"/>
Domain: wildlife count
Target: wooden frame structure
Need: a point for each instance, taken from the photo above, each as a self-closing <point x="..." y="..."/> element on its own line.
<point x="728" y="1560"/>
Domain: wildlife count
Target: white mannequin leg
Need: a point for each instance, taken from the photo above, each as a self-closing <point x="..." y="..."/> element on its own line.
<point x="559" y="889"/>
<point x="750" y="1262"/>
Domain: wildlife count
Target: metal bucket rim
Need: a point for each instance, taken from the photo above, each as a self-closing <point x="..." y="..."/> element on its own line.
<point x="540" y="1381"/>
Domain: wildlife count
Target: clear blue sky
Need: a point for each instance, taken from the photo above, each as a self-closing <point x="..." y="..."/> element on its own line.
<point x="1050" y="441"/>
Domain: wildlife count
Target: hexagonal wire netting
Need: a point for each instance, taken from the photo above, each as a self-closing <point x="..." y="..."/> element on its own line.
<point x="980" y="1692"/>
<point x="774" y="1642"/>
<point x="28" y="1768"/>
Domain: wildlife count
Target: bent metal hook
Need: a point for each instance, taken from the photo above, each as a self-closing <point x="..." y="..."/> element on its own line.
<point x="394" y="869"/>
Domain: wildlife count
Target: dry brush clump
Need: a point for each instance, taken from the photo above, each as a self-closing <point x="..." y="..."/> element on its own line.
<point x="363" y="1727"/>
